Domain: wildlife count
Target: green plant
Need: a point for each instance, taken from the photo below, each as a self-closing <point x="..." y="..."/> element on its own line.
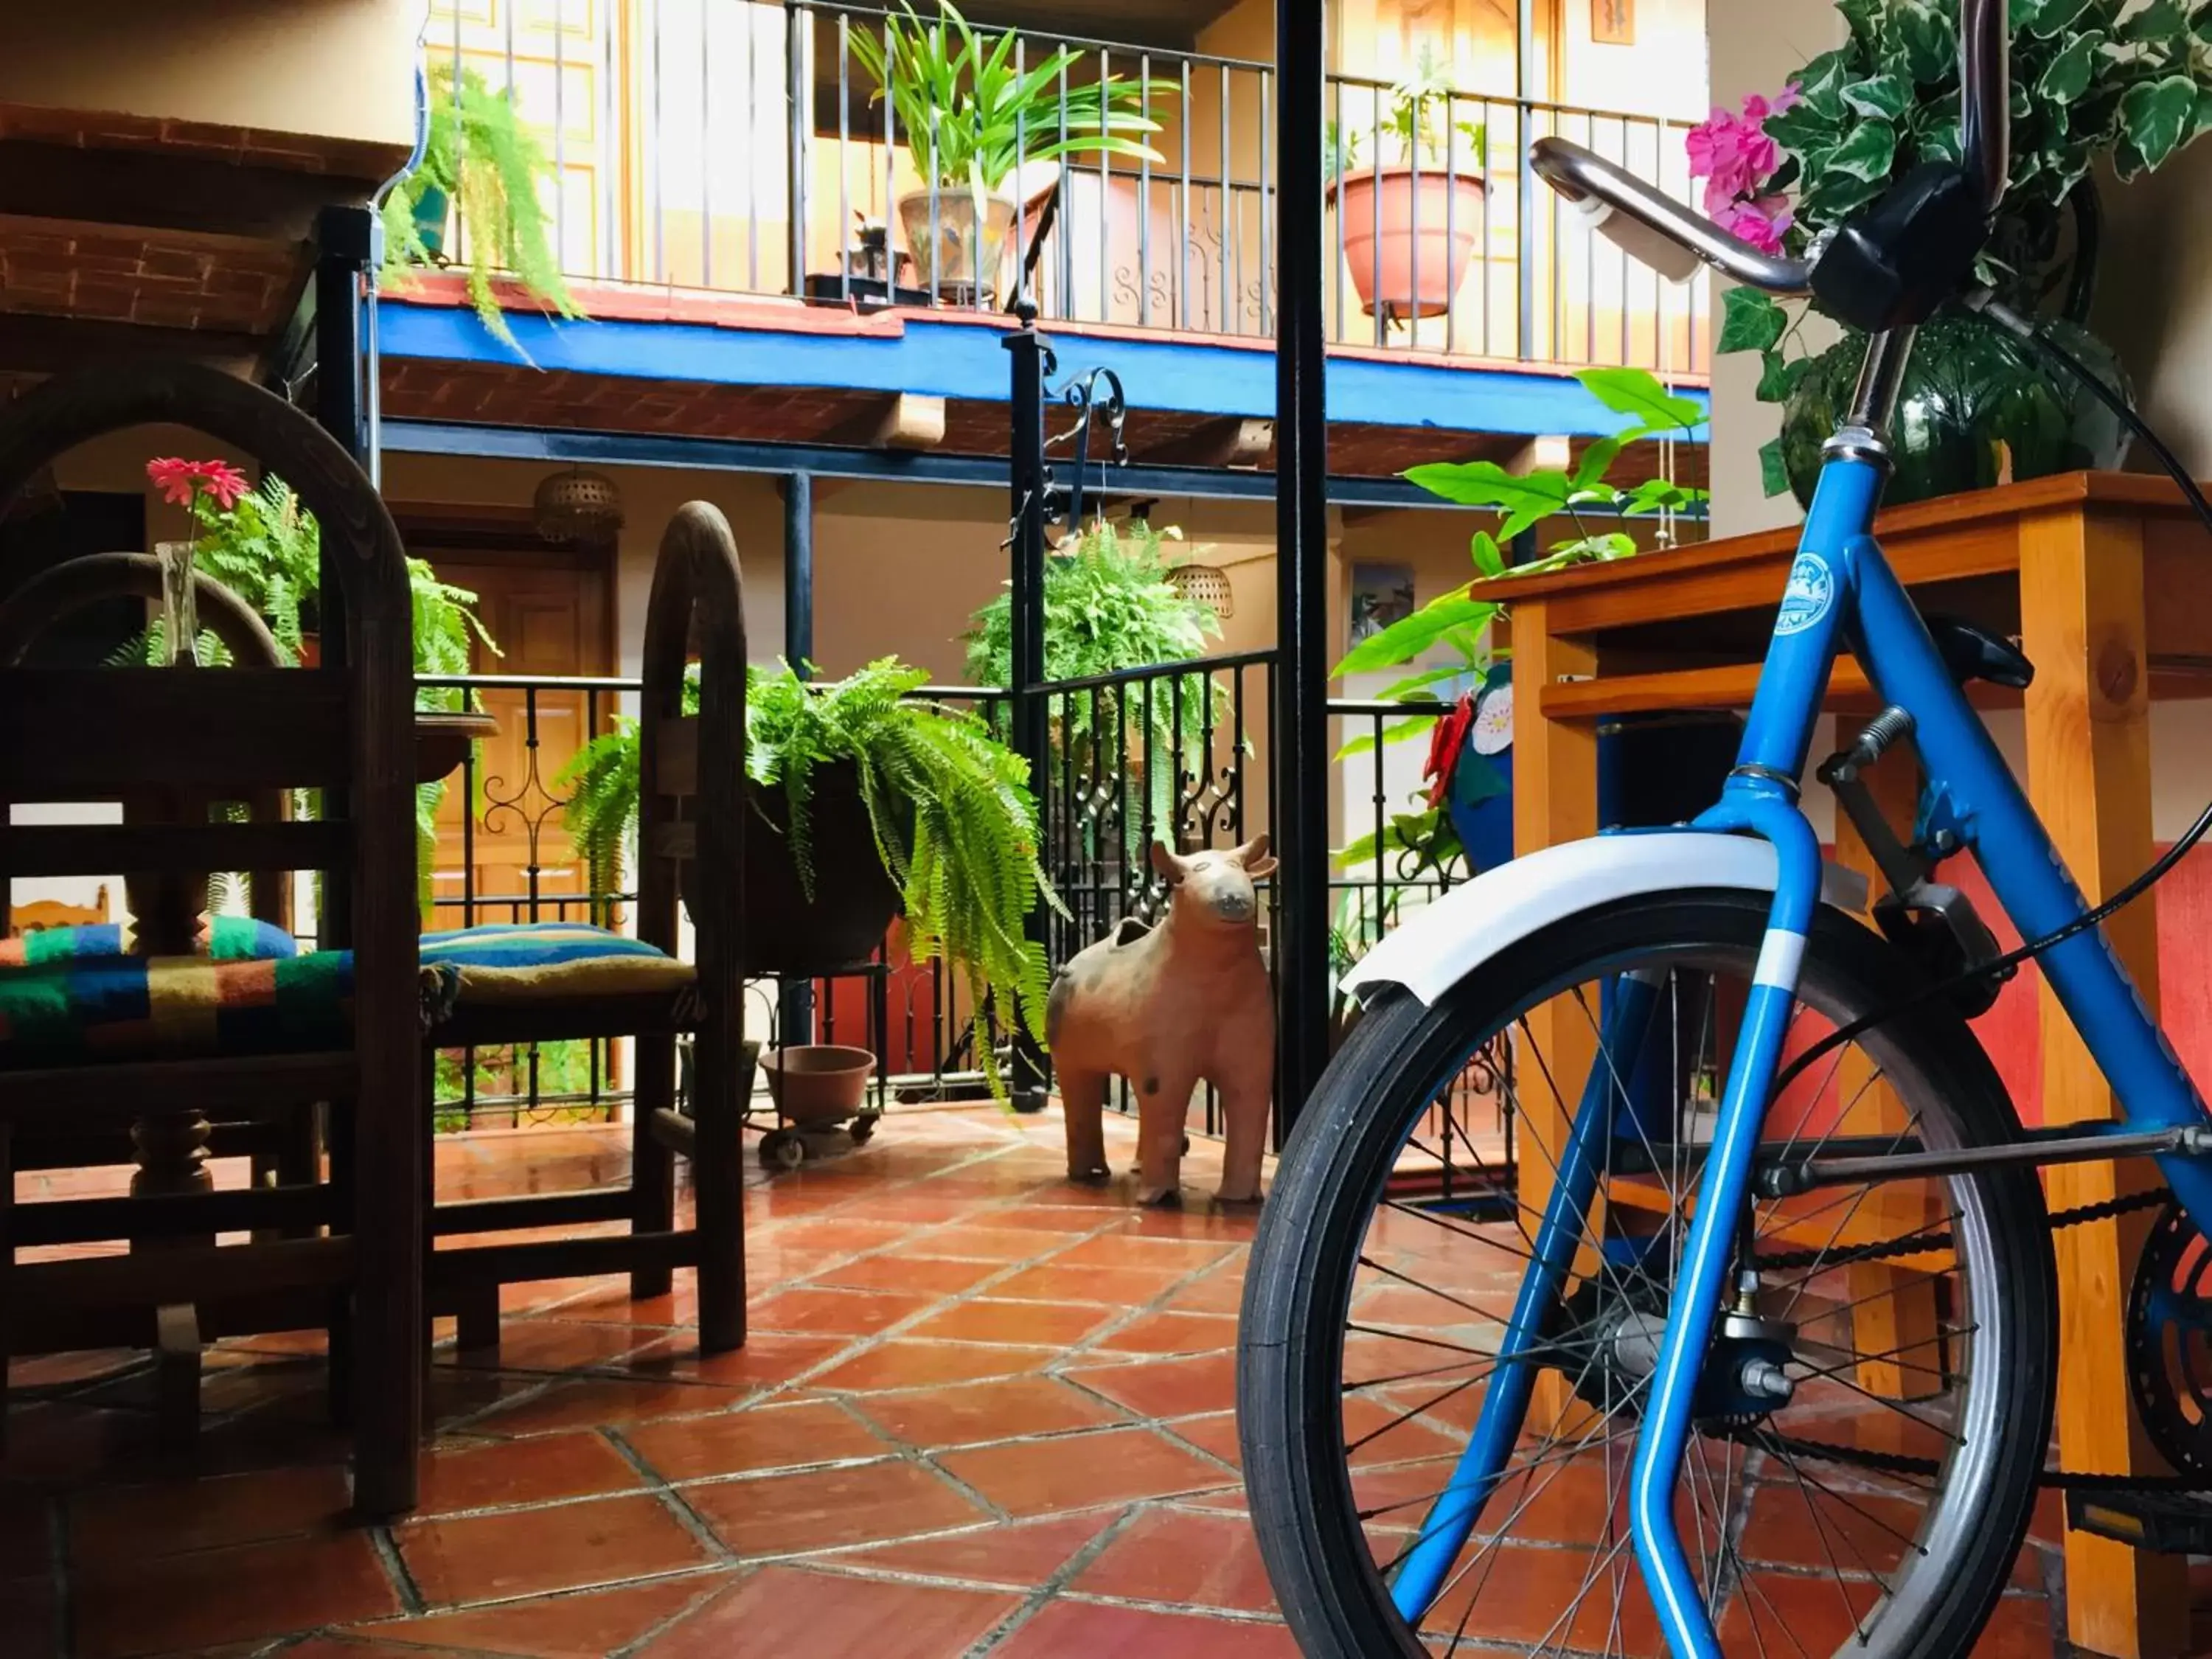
<point x="1457" y="624"/>
<point x="1110" y="606"/>
<point x="480" y="156"/>
<point x="971" y="118"/>
<point x="1411" y="119"/>
<point x="2093" y="81"/>
<point x="954" y="821"/>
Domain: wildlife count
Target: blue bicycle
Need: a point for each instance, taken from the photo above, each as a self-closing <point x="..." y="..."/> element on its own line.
<point x="1764" y="1359"/>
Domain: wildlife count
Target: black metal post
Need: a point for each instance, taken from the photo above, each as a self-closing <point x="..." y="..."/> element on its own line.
<point x="795" y="998"/>
<point x="798" y="94"/>
<point x="1031" y="359"/>
<point x="1301" y="711"/>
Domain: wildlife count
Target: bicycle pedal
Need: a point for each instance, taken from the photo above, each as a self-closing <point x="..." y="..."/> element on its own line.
<point x="2169" y="1523"/>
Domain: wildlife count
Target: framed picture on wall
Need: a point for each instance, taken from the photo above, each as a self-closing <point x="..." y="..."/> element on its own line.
<point x="1381" y="594"/>
<point x="1612" y="23"/>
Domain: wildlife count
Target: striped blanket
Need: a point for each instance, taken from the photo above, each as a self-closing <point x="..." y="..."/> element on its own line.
<point x="69" y="1002"/>
<point x="222" y="938"/>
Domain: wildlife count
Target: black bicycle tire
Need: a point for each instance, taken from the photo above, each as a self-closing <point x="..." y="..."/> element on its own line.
<point x="1297" y="1480"/>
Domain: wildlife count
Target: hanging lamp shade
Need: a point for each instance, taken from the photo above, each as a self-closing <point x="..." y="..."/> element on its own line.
<point x="577" y="505"/>
<point x="1206" y="585"/>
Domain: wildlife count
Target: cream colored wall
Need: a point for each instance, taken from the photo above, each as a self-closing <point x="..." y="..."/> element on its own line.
<point x="332" y="68"/>
<point x="1755" y="45"/>
<point x="1663" y="73"/>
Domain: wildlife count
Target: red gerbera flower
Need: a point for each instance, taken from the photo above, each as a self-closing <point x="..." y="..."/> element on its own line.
<point x="181" y="481"/>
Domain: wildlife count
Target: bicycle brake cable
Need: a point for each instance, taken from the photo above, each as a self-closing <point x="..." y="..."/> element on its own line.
<point x="2021" y="328"/>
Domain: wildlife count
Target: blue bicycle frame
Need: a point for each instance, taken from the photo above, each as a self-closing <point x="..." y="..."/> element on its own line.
<point x="1841" y="595"/>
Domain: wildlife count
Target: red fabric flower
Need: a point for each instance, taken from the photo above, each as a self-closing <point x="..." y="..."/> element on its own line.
<point x="1447" y="742"/>
<point x="181" y="480"/>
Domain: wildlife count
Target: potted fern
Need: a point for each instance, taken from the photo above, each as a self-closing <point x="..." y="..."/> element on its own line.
<point x="1411" y="229"/>
<point x="867" y="802"/>
<point x="484" y="165"/>
<point x="973" y="121"/>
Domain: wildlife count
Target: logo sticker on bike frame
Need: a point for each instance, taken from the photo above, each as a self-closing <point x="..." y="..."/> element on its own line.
<point x="1812" y="590"/>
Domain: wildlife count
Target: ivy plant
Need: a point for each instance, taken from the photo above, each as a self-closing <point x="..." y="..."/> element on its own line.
<point x="1456" y="623"/>
<point x="2092" y="80"/>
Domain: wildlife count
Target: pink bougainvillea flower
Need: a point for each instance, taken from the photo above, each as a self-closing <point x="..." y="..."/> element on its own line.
<point x="1760" y="221"/>
<point x="182" y="480"/>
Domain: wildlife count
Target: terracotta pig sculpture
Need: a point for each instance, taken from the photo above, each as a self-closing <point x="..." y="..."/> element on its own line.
<point x="1167" y="1007"/>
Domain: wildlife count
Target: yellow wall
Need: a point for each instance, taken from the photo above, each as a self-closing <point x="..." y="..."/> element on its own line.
<point x="330" y="68"/>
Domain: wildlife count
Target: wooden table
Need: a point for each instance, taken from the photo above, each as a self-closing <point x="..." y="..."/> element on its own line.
<point x="2106" y="580"/>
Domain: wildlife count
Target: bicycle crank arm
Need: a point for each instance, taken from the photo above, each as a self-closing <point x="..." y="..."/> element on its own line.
<point x="2039" y="1148"/>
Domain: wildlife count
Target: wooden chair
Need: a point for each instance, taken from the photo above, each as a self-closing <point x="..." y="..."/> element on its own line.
<point x="690" y="843"/>
<point x="285" y="1145"/>
<point x="344" y="728"/>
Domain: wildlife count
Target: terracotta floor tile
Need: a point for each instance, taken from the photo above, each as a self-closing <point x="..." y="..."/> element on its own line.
<point x="2019" y="1628"/>
<point x="1166" y="1388"/>
<point x="916" y="1208"/>
<point x="917" y="1275"/>
<point x="783" y="1610"/>
<point x="1215" y="1434"/>
<point x="1172" y="1333"/>
<point x="1128" y="1248"/>
<point x="1043" y="1477"/>
<point x="124" y="1524"/>
<point x="592" y="1400"/>
<point x="601" y="1541"/>
<point x="762" y="1438"/>
<point x="1110" y="1287"/>
<point x="900" y="1363"/>
<point x="767" y="1360"/>
<point x="841" y="1313"/>
<point x="181" y="1602"/>
<point x="555" y="1345"/>
<point x="1818" y="1612"/>
<point x="1065" y="1629"/>
<point x="1205" y="1560"/>
<point x="534" y="1471"/>
<point x="977" y="1242"/>
<point x="579" y="1626"/>
<point x="1047" y="1323"/>
<point x="1022" y="1556"/>
<point x="839" y="1235"/>
<point x="1198" y="1218"/>
<point x="821" y="1509"/>
<point x="1221" y="1292"/>
<point x="986" y="1411"/>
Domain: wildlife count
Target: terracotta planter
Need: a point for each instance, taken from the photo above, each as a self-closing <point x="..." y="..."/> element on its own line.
<point x="820" y="1085"/>
<point x="1390" y="213"/>
<point x="948" y="260"/>
<point x="853" y="898"/>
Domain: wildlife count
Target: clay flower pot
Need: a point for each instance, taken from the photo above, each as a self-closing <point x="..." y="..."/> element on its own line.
<point x="962" y="254"/>
<point x="1389" y="214"/>
<point x="819" y="1084"/>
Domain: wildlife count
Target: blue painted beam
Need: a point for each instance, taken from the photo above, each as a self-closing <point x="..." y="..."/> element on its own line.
<point x="964" y="360"/>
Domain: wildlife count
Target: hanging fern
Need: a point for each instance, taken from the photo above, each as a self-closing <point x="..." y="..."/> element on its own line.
<point x="949" y="807"/>
<point x="491" y="167"/>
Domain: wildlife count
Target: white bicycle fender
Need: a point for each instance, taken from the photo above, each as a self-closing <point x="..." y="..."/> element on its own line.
<point x="1449" y="940"/>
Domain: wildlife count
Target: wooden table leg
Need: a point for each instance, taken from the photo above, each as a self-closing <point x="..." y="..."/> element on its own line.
<point x="2088" y="774"/>
<point x="1554" y="800"/>
<point x="1894" y="1312"/>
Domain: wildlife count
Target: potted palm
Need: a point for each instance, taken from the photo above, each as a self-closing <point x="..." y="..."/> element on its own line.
<point x="866" y="802"/>
<point x="1411" y="229"/>
<point x="974" y="119"/>
<point x="483" y="169"/>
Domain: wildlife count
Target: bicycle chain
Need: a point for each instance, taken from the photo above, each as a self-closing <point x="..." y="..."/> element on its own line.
<point x="1897" y="1463"/>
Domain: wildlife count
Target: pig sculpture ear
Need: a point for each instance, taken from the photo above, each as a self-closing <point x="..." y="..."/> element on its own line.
<point x="1252" y="855"/>
<point x="1170" y="867"/>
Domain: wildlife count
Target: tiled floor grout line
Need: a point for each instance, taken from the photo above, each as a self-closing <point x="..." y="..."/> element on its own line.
<point x="1048" y="1591"/>
<point x="670" y="1499"/>
<point x="387" y="1549"/>
<point x="660" y="1628"/>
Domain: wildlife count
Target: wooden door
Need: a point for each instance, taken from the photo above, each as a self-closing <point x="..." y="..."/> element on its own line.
<point x="548" y="611"/>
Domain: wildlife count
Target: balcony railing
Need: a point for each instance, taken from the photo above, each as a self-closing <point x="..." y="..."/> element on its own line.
<point x="739" y="147"/>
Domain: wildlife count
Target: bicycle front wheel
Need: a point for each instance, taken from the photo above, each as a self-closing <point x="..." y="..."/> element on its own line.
<point x="1438" y="1428"/>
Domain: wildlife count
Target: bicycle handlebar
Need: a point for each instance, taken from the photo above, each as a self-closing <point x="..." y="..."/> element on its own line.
<point x="1672" y="239"/>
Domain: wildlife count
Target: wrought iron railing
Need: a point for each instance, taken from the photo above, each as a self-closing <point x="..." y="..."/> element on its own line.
<point x="739" y="146"/>
<point x="1175" y="755"/>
